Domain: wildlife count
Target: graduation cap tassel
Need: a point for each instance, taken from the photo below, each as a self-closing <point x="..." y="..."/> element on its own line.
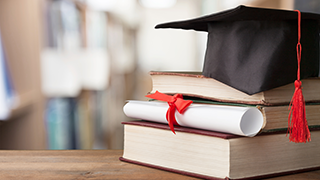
<point x="298" y="126"/>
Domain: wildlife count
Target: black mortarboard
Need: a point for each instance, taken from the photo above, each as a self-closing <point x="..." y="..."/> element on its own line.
<point x="254" y="49"/>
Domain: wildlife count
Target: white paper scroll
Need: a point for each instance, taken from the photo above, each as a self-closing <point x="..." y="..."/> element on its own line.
<point x="244" y="121"/>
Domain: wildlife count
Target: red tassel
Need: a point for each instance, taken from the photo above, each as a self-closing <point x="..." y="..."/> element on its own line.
<point x="298" y="127"/>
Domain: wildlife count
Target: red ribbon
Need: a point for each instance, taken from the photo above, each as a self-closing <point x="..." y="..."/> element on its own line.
<point x="298" y="127"/>
<point x="175" y="102"/>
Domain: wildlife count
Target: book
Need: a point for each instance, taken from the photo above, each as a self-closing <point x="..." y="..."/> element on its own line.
<point x="59" y="124"/>
<point x="8" y="96"/>
<point x="275" y="118"/>
<point x="222" y="117"/>
<point x="194" y="84"/>
<point x="84" y="122"/>
<point x="214" y="155"/>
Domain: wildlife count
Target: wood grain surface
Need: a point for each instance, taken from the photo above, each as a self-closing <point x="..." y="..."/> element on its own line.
<point x="88" y="164"/>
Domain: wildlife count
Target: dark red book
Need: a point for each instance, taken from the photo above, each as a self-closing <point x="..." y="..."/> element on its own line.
<point x="214" y="155"/>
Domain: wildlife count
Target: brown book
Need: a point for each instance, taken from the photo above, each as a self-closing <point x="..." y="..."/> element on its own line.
<point x="196" y="85"/>
<point x="275" y="118"/>
<point x="214" y="155"/>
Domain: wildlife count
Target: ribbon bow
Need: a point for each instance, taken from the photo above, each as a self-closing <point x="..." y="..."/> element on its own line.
<point x="175" y="102"/>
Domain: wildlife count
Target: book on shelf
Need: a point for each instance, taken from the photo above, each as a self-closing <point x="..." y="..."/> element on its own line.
<point x="194" y="84"/>
<point x="8" y="96"/>
<point x="214" y="155"/>
<point x="69" y="122"/>
<point x="60" y="123"/>
<point x="240" y="119"/>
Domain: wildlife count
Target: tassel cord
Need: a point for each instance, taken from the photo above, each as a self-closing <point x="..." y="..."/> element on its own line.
<point x="297" y="123"/>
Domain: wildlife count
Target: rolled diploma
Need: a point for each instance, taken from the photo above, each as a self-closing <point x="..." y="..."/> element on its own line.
<point x="244" y="121"/>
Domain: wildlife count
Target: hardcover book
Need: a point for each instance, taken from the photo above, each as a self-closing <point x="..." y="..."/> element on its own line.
<point x="213" y="155"/>
<point x="194" y="84"/>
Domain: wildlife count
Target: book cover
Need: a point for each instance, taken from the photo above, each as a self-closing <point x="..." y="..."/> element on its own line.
<point x="194" y="84"/>
<point x="214" y="155"/>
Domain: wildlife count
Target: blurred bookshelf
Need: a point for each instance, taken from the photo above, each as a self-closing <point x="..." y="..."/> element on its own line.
<point x="70" y="66"/>
<point x="95" y="49"/>
<point x="20" y="29"/>
<point x="73" y="66"/>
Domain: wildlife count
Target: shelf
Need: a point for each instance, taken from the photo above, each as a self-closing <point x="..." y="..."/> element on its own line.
<point x="24" y="102"/>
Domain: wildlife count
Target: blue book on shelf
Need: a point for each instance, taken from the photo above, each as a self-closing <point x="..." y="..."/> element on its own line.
<point x="8" y="98"/>
<point x="59" y="123"/>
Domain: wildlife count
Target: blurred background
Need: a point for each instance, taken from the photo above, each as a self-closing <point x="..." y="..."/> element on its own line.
<point x="67" y="67"/>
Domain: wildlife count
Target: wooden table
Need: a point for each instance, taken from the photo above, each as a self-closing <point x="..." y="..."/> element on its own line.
<point x="88" y="164"/>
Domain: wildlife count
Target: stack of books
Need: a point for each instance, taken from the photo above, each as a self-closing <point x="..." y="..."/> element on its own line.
<point x="273" y="104"/>
<point x="225" y="133"/>
<point x="209" y="154"/>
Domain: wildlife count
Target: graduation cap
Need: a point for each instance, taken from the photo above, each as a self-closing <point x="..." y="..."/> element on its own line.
<point x="255" y="49"/>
